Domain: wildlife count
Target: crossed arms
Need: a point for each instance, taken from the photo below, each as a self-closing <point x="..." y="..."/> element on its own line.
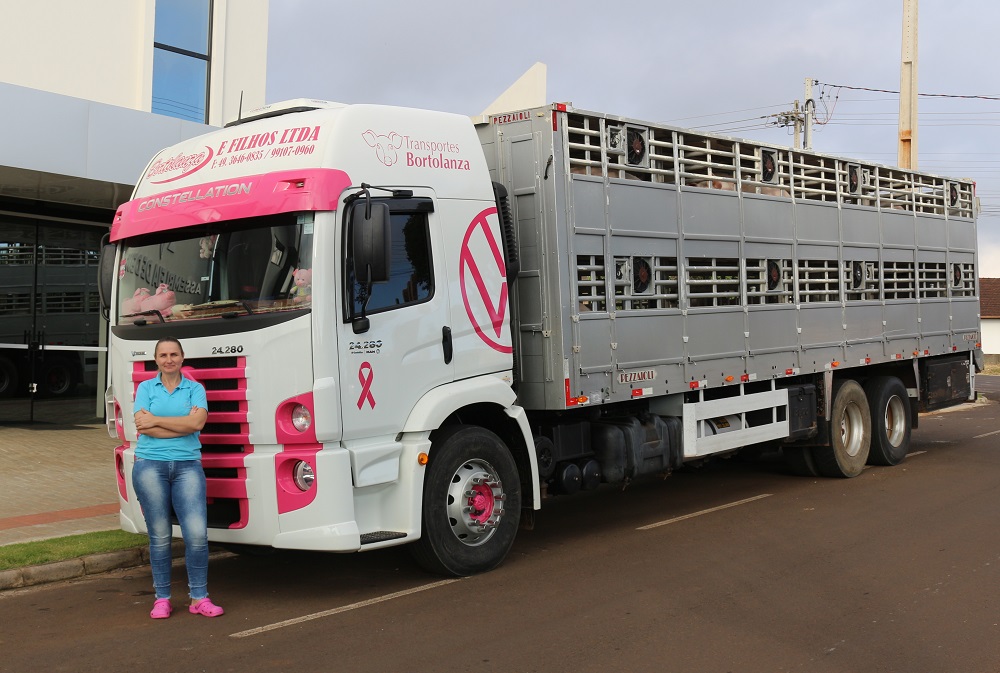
<point x="166" y="427"/>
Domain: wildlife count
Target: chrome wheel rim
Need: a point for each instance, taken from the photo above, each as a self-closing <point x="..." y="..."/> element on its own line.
<point x="851" y="429"/>
<point x="895" y="420"/>
<point x="475" y="502"/>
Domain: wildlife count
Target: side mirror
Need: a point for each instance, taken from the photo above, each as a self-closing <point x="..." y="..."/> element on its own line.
<point x="371" y="241"/>
<point x="106" y="276"/>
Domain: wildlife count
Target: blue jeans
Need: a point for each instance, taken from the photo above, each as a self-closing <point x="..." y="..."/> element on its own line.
<point x="163" y="485"/>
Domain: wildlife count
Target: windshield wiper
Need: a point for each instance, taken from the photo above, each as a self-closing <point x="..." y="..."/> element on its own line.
<point x="234" y="314"/>
<point x="141" y="322"/>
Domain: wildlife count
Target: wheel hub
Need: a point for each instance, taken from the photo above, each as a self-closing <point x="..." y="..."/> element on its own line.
<point x="851" y="430"/>
<point x="895" y="420"/>
<point x="475" y="502"/>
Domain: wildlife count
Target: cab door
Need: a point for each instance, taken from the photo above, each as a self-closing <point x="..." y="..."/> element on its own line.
<point x="406" y="350"/>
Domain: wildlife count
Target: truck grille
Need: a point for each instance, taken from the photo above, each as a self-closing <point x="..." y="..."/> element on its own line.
<point x="225" y="439"/>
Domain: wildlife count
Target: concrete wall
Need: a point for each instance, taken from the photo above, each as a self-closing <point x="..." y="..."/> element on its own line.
<point x="93" y="49"/>
<point x="102" y="50"/>
<point x="239" y="58"/>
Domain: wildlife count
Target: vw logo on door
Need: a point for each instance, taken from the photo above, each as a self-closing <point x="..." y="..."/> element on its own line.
<point x="483" y="276"/>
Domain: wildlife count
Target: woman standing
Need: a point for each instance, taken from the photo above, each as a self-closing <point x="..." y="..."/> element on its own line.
<point x="170" y="412"/>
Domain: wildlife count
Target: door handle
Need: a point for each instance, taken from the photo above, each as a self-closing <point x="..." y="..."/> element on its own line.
<point x="446" y="344"/>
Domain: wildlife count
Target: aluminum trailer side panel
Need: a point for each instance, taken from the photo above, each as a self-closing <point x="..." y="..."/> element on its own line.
<point x="657" y="260"/>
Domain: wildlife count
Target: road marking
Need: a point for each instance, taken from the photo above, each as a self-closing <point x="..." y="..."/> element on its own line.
<point x="915" y="453"/>
<point x="704" y="511"/>
<point x="995" y="432"/>
<point x="335" y="611"/>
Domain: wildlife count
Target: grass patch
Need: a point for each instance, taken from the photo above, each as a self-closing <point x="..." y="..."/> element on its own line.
<point x="23" y="554"/>
<point x="992" y="370"/>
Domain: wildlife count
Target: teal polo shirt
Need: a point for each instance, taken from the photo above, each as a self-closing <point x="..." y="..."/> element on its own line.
<point x="152" y="396"/>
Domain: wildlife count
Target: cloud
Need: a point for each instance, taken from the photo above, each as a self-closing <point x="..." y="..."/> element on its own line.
<point x="662" y="61"/>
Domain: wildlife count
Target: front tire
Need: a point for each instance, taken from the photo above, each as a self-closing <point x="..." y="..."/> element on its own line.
<point x="850" y="433"/>
<point x="471" y="505"/>
<point x="891" y="423"/>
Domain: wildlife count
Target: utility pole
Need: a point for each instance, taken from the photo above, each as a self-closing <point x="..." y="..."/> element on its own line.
<point x="800" y="118"/>
<point x="786" y="119"/>
<point x="907" y="154"/>
<point x="798" y="127"/>
<point x="810" y="106"/>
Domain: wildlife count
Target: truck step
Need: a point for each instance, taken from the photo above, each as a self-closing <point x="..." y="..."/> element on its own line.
<point x="381" y="536"/>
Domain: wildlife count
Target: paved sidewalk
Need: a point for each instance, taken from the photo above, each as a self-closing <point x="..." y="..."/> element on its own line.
<point x="56" y="480"/>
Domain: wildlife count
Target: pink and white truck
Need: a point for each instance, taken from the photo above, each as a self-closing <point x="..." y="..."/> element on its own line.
<point x="414" y="327"/>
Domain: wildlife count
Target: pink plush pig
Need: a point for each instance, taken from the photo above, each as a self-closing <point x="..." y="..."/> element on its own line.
<point x="134" y="304"/>
<point x="163" y="301"/>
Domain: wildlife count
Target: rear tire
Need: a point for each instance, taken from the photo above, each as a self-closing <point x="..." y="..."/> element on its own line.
<point x="471" y="505"/>
<point x="57" y="379"/>
<point x="891" y="422"/>
<point x="850" y="433"/>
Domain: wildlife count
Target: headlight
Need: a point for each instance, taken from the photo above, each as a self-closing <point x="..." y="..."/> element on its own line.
<point x="303" y="475"/>
<point x="301" y="418"/>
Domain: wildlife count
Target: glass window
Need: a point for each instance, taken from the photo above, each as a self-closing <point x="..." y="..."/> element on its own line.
<point x="181" y="58"/>
<point x="183" y="24"/>
<point x="179" y="86"/>
<point x="411" y="280"/>
<point x="251" y="266"/>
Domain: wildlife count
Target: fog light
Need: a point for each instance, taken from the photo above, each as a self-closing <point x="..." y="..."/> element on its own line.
<point x="301" y="418"/>
<point x="303" y="475"/>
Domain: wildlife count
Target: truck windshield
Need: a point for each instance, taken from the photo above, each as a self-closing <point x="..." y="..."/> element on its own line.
<point x="247" y="266"/>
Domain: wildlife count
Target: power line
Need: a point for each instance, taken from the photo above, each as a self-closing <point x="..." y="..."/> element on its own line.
<point x="928" y="95"/>
<point x="719" y="114"/>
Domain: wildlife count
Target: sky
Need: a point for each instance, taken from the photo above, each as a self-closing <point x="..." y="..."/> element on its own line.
<point x="722" y="66"/>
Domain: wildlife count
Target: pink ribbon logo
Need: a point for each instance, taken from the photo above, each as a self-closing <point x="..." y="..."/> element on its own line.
<point x="366" y="375"/>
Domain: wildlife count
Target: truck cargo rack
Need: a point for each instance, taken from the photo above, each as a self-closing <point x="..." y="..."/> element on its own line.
<point x="612" y="148"/>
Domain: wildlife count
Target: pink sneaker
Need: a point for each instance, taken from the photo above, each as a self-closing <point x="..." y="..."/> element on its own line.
<point x="206" y="607"/>
<point x="161" y="609"/>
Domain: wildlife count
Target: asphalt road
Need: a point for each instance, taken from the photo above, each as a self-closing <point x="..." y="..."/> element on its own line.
<point x="750" y="570"/>
<point x="989" y="385"/>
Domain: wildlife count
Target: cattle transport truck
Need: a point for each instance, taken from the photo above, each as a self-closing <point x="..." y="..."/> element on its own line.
<point x="414" y="327"/>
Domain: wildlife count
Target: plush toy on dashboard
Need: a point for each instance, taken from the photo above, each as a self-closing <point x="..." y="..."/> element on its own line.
<point x="134" y="304"/>
<point x="206" y="247"/>
<point x="163" y="301"/>
<point x="302" y="289"/>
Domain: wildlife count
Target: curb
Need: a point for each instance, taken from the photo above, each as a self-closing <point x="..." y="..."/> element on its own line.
<point x="18" y="578"/>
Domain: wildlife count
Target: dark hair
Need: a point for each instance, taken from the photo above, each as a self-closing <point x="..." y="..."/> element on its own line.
<point x="168" y="340"/>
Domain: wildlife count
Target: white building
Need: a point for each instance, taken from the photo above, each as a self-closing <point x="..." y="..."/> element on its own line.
<point x="89" y="91"/>
<point x="989" y="315"/>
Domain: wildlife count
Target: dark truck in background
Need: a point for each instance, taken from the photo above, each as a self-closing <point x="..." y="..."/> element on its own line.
<point x="49" y="312"/>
